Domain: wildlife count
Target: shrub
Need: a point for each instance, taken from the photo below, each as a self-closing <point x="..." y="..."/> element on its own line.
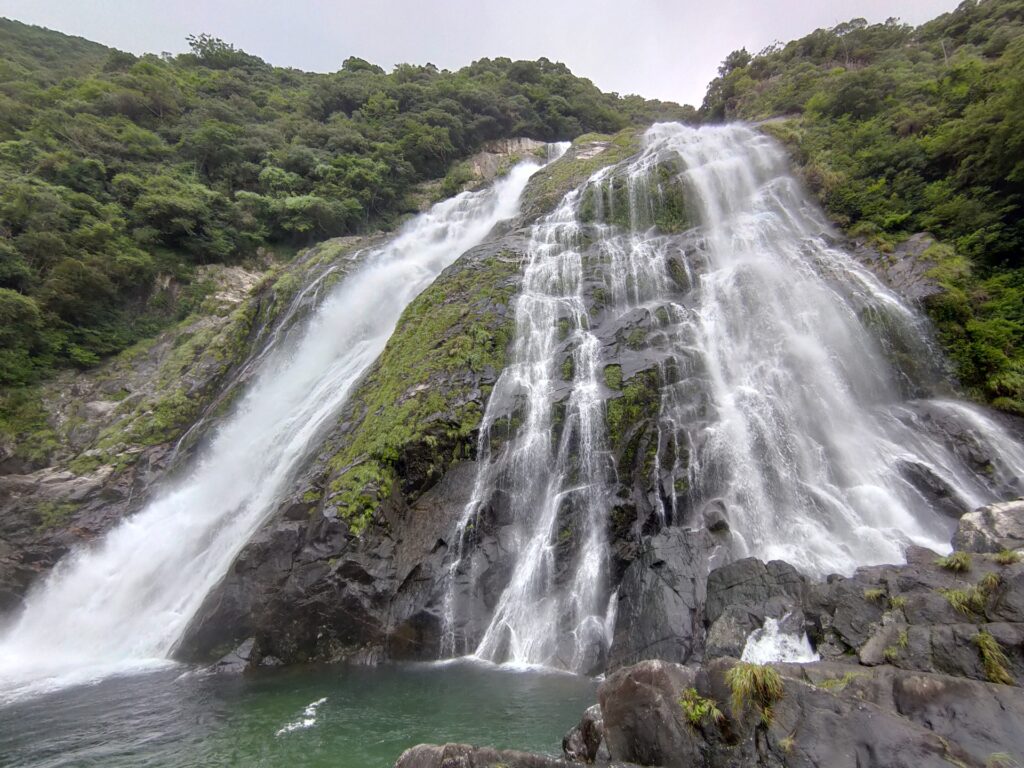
<point x="699" y="710"/>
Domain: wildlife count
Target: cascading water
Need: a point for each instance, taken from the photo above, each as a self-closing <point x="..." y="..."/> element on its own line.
<point x="122" y="603"/>
<point x="791" y="395"/>
<point x="547" y="480"/>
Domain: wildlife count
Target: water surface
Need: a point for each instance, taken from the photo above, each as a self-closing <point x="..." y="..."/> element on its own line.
<point x="368" y="716"/>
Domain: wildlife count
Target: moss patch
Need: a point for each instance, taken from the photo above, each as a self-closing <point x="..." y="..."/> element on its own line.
<point x="417" y="412"/>
<point x="550" y="184"/>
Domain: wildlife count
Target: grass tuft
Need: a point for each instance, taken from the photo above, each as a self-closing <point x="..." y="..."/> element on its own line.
<point x="957" y="562"/>
<point x="756" y="684"/>
<point x="876" y="593"/>
<point x="993" y="659"/>
<point x="1007" y="557"/>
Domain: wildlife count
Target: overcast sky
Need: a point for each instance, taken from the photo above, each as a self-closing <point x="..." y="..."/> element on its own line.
<point x="666" y="49"/>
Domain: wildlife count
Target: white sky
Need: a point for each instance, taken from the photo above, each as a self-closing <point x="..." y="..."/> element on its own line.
<point x="666" y="49"/>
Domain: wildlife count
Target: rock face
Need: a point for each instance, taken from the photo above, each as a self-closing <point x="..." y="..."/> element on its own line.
<point x="921" y="664"/>
<point x="353" y="564"/>
<point x="906" y="269"/>
<point x="661" y="597"/>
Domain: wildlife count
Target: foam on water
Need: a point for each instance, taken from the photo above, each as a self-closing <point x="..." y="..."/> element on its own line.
<point x="770" y="644"/>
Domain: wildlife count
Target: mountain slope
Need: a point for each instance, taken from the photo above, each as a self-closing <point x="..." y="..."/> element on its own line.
<point x="119" y="175"/>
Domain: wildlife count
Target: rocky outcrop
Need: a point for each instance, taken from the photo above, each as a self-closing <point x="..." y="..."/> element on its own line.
<point x="906" y="268"/>
<point x="585" y="742"/>
<point x="662" y="714"/>
<point x="353" y="564"/>
<point x="921" y="663"/>
<point x="661" y="596"/>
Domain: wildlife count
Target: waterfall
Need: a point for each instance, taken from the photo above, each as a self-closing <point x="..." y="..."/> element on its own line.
<point x="794" y="396"/>
<point x="122" y="602"/>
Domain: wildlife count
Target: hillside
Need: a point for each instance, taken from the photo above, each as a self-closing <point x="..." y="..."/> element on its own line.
<point x="120" y="174"/>
<point x="901" y="130"/>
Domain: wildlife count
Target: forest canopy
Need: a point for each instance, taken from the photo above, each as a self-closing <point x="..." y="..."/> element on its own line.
<point x="116" y="170"/>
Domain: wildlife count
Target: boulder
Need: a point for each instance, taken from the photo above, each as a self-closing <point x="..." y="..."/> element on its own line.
<point x="465" y="756"/>
<point x="750" y="582"/>
<point x="660" y="598"/>
<point x="992" y="528"/>
<point x="585" y="741"/>
<point x="643" y="720"/>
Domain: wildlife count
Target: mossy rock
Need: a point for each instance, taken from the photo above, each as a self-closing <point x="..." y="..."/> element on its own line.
<point x="420" y="405"/>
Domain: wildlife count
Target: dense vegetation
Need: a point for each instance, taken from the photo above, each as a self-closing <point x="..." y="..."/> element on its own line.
<point x="903" y="130"/>
<point x="119" y="174"/>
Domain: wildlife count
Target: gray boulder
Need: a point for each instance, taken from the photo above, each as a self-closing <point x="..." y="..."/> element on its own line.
<point x="465" y="756"/>
<point x="992" y="528"/>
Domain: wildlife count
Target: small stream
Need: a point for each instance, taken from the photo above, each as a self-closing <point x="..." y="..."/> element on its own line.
<point x="365" y="718"/>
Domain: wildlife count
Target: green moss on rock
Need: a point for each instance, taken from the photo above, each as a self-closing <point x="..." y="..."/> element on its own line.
<point x="589" y="153"/>
<point x="416" y="409"/>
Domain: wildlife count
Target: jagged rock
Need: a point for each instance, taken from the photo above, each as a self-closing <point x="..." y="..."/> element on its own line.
<point x="728" y="635"/>
<point x="239" y="660"/>
<point x="716" y="516"/>
<point x="992" y="528"/>
<point x="906" y="269"/>
<point x="584" y="742"/>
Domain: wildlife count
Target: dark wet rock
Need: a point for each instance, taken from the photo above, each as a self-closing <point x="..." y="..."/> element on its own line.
<point x="728" y="634"/>
<point x="716" y="516"/>
<point x="661" y="598"/>
<point x="584" y="742"/>
<point x="312" y="590"/>
<point x="992" y="528"/>
<point x="750" y="582"/>
<point x="940" y="495"/>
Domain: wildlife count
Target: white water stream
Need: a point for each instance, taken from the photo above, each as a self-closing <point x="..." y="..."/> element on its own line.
<point x="121" y="603"/>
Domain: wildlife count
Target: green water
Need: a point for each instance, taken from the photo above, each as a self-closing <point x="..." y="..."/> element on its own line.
<point x="369" y="717"/>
